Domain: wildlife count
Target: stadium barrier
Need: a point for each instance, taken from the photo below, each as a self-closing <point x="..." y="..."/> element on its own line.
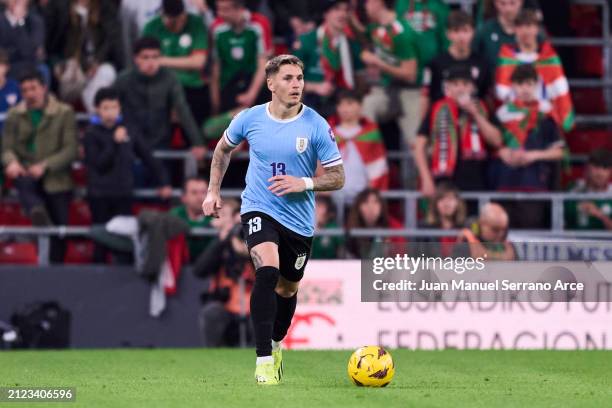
<point x="109" y="308"/>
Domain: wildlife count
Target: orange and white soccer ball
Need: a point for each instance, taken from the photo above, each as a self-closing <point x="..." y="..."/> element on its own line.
<point x="371" y="366"/>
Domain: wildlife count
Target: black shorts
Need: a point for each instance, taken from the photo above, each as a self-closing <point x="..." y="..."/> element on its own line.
<point x="293" y="248"/>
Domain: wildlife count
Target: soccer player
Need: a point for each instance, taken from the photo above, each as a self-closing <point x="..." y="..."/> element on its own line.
<point x="286" y="138"/>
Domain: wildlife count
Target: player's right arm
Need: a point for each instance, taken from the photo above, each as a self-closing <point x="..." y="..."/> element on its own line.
<point x="232" y="137"/>
<point x="218" y="167"/>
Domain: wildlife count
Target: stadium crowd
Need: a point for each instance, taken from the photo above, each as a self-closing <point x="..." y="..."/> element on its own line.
<point x="475" y="101"/>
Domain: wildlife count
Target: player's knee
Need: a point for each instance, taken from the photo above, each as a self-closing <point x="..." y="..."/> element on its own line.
<point x="267" y="276"/>
<point x="286" y="289"/>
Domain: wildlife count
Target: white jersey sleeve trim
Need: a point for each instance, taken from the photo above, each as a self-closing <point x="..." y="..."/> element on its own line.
<point x="333" y="162"/>
<point x="228" y="140"/>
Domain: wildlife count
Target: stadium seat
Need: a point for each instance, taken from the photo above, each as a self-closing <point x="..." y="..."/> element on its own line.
<point x="23" y="253"/>
<point x="588" y="101"/>
<point x="79" y="213"/>
<point x="79" y="174"/>
<point x="12" y="214"/>
<point x="583" y="141"/>
<point x="79" y="251"/>
<point x="140" y="206"/>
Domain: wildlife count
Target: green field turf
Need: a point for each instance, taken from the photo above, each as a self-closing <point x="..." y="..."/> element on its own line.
<point x="224" y="378"/>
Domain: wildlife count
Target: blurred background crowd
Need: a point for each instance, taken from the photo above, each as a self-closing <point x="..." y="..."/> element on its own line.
<point x="111" y="107"/>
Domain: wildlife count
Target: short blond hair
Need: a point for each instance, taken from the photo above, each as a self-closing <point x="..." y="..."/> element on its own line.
<point x="274" y="64"/>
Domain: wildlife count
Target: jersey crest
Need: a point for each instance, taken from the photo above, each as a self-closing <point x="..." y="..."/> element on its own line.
<point x="299" y="262"/>
<point x="301" y="143"/>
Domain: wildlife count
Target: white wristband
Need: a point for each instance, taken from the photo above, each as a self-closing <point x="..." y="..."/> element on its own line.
<point x="309" y="183"/>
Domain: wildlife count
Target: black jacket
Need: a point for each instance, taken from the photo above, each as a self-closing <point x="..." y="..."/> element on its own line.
<point x="110" y="164"/>
<point x="148" y="103"/>
<point x="22" y="42"/>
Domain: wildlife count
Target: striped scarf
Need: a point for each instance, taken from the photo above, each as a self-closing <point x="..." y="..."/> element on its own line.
<point x="451" y="131"/>
<point x="371" y="148"/>
<point x="553" y="83"/>
<point x="336" y="58"/>
<point x="519" y="119"/>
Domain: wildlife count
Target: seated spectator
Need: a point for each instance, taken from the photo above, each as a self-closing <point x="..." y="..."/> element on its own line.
<point x="22" y="35"/>
<point x="84" y="45"/>
<point x="428" y="18"/>
<point x="111" y="146"/>
<point x="447" y="209"/>
<point x="394" y="57"/>
<point x="190" y="211"/>
<point x="184" y="48"/>
<point x="369" y="210"/>
<point x="592" y="214"/>
<point x="460" y="32"/>
<point x="9" y="88"/>
<point x="488" y="236"/>
<point x="552" y="83"/>
<point x="362" y="149"/>
<point x="326" y="247"/>
<point x="496" y="31"/>
<point x="226" y="261"/>
<point x="39" y="144"/>
<point x="458" y="130"/>
<point x="330" y="54"/>
<point x="242" y="43"/>
<point x="531" y="145"/>
<point x="150" y="93"/>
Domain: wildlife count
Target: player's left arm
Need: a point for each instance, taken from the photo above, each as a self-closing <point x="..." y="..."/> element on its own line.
<point x="332" y="179"/>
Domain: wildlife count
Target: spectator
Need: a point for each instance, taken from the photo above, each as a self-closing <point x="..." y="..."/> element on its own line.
<point x="460" y="32"/>
<point x="369" y="211"/>
<point x="190" y="211"/>
<point x="39" y="145"/>
<point x="497" y="31"/>
<point x="552" y="86"/>
<point x="84" y="45"/>
<point x="428" y="18"/>
<point x="9" y="88"/>
<point x="447" y="210"/>
<point x="242" y="43"/>
<point x="290" y="19"/>
<point x="227" y="262"/>
<point x="485" y="9"/>
<point x="330" y="54"/>
<point x="135" y="14"/>
<point x="459" y="131"/>
<point x="326" y="247"/>
<point x="150" y="93"/>
<point x="395" y="57"/>
<point x="592" y="214"/>
<point x="22" y="35"/>
<point x="487" y="238"/>
<point x="184" y="48"/>
<point x="111" y="145"/>
<point x="362" y="149"/>
<point x="531" y="145"/>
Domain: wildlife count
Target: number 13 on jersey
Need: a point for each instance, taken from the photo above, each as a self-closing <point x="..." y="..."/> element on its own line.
<point x="278" y="168"/>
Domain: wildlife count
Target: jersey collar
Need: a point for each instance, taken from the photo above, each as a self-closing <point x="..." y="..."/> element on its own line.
<point x="296" y="117"/>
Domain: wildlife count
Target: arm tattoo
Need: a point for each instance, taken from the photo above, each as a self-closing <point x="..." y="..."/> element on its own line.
<point x="218" y="166"/>
<point x="257" y="261"/>
<point x="333" y="179"/>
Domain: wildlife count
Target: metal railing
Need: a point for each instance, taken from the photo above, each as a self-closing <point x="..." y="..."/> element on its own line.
<point x="44" y="234"/>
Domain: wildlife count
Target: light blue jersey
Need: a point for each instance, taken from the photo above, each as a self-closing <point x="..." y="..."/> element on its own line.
<point x="283" y="147"/>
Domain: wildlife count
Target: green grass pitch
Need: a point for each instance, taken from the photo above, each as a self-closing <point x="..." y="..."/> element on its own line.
<point x="224" y="378"/>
